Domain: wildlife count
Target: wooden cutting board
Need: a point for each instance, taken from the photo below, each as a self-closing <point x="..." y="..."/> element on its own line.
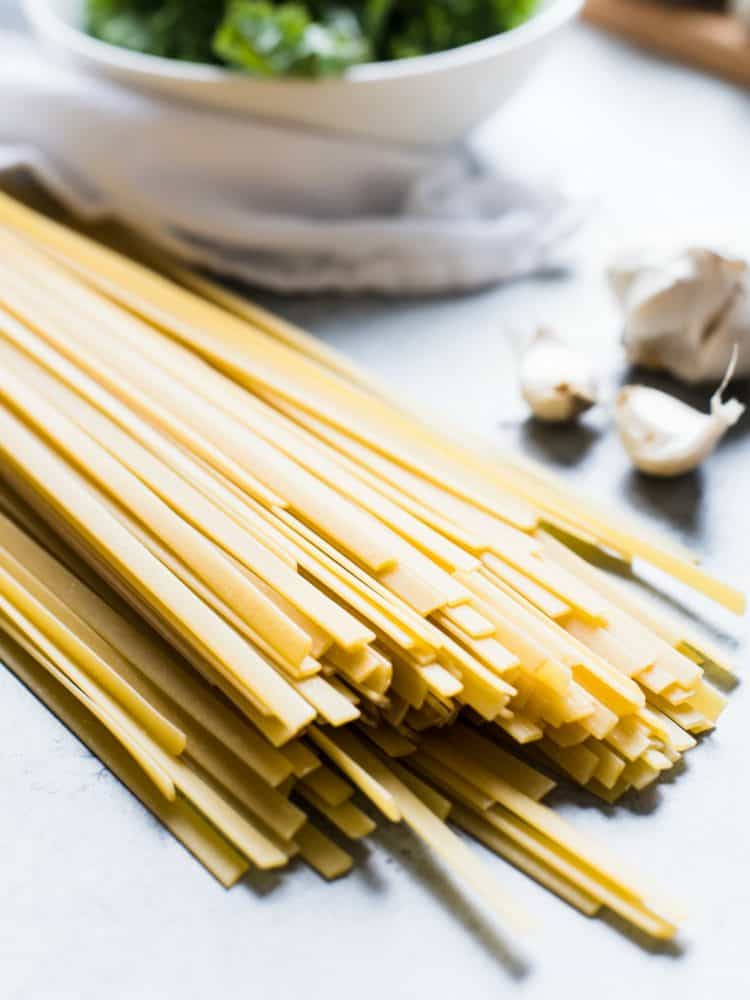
<point x="714" y="42"/>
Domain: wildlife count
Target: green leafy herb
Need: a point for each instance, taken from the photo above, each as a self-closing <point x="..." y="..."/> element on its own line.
<point x="316" y="38"/>
<point x="283" y="39"/>
<point x="176" y="29"/>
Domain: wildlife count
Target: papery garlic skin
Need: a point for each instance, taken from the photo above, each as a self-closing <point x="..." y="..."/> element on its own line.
<point x="684" y="311"/>
<point x="664" y="436"/>
<point x="557" y="382"/>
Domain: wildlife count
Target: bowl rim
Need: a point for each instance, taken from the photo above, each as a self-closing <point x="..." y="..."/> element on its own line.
<point x="45" y="17"/>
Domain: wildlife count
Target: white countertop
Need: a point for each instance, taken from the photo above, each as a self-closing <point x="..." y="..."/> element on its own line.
<point x="98" y="901"/>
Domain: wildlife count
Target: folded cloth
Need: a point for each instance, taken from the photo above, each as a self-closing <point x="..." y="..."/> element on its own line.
<point x="284" y="207"/>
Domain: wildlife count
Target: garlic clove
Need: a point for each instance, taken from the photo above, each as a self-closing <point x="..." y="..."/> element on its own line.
<point x="684" y="311"/>
<point x="664" y="436"/>
<point x="556" y="381"/>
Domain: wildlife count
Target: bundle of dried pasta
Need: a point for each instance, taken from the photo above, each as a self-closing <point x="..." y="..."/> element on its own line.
<point x="331" y="580"/>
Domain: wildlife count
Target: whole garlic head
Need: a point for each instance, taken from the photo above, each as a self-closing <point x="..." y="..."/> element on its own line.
<point x="557" y="382"/>
<point x="684" y="311"/>
<point x="664" y="436"/>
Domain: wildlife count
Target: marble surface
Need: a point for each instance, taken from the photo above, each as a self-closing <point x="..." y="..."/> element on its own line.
<point x="96" y="900"/>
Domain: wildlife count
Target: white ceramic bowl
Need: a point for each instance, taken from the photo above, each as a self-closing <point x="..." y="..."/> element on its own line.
<point x="427" y="100"/>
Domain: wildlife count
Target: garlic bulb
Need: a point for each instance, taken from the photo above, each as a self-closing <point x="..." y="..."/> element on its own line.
<point x="684" y="311"/>
<point x="556" y="382"/>
<point x="664" y="436"/>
